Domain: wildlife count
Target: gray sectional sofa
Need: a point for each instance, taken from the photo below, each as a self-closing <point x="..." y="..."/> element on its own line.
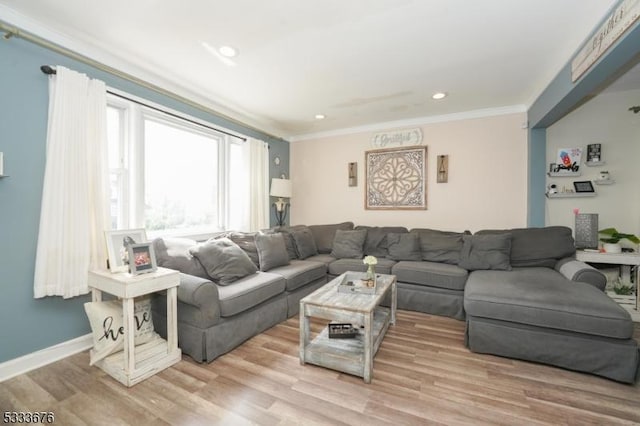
<point x="521" y="291"/>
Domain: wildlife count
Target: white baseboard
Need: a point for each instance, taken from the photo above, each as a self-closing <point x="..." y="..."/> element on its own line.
<point x="26" y="363"/>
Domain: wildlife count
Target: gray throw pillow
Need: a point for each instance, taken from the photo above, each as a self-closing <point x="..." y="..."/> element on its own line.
<point x="247" y="242"/>
<point x="224" y="261"/>
<point x="288" y="238"/>
<point x="323" y="235"/>
<point x="304" y="242"/>
<point x="272" y="251"/>
<point x="348" y="244"/>
<point x="486" y="252"/>
<point x="440" y="246"/>
<point x="403" y="246"/>
<point x="173" y="253"/>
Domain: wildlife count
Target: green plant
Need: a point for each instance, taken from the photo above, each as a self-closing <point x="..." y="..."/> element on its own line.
<point x="612" y="236"/>
<point x="622" y="288"/>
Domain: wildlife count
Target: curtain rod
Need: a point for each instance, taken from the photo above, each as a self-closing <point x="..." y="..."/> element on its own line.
<point x="12" y="31"/>
<point x="49" y="70"/>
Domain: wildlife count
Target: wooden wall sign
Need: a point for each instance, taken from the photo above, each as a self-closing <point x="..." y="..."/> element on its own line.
<point x="620" y="20"/>
<point x="397" y="138"/>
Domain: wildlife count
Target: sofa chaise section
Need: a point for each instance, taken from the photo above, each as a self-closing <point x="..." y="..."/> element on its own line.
<point x="537" y="314"/>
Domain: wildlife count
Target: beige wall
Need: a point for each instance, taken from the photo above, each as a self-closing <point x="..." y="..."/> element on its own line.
<point x="487" y="178"/>
<point x="605" y="119"/>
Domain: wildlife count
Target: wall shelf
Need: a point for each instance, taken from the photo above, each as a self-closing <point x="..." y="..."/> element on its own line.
<point x="604" y="181"/>
<point x="571" y="195"/>
<point x="595" y="163"/>
<point x="564" y="174"/>
<point x="3" y="176"/>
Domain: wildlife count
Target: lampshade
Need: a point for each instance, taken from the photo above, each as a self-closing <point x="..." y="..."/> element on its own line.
<point x="280" y="188"/>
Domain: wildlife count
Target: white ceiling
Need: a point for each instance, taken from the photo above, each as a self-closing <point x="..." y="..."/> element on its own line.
<point x="360" y="62"/>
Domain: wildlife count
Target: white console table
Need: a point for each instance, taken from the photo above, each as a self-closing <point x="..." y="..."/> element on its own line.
<point x="137" y="363"/>
<point x="621" y="259"/>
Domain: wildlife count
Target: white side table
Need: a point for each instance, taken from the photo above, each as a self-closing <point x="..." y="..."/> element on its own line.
<point x="621" y="259"/>
<point x="137" y="363"/>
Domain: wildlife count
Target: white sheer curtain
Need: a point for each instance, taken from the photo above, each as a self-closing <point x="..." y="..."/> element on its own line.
<point x="75" y="210"/>
<point x="258" y="184"/>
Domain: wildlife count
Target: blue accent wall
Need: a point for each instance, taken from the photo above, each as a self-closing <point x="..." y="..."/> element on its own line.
<point x="537" y="152"/>
<point x="28" y="324"/>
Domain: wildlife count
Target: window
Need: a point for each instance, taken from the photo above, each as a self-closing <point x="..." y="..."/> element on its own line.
<point x="172" y="176"/>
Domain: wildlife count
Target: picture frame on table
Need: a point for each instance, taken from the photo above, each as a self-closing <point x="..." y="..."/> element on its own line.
<point x="117" y="242"/>
<point x="142" y="258"/>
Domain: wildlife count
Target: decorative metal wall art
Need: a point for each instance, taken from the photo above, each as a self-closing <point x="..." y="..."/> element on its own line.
<point x="396" y="179"/>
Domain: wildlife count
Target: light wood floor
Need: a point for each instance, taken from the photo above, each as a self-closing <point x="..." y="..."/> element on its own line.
<point x="423" y="374"/>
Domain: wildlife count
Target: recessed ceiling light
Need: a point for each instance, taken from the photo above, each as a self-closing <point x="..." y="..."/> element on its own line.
<point x="439" y="95"/>
<point x="219" y="55"/>
<point x="320" y="116"/>
<point x="228" y="51"/>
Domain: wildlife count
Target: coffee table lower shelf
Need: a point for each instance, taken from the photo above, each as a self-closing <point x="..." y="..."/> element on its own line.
<point x="347" y="355"/>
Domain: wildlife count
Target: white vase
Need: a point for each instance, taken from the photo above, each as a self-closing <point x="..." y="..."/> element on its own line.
<point x="612" y="248"/>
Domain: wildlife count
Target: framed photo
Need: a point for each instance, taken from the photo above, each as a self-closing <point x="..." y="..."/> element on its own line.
<point x="142" y="258"/>
<point x="117" y="242"/>
<point x="594" y="152"/>
<point x="583" y="186"/>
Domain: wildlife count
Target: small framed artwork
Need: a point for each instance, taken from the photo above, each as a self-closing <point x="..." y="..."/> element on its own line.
<point x="117" y="242"/>
<point x="583" y="186"/>
<point x="142" y="258"/>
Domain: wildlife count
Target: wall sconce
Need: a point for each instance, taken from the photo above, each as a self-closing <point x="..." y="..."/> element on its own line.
<point x="280" y="188"/>
<point x="443" y="169"/>
<point x="353" y="174"/>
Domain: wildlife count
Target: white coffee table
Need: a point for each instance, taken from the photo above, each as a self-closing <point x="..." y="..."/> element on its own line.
<point x="352" y="356"/>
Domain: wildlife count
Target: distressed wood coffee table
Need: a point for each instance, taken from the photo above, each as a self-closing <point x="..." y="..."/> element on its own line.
<point x="353" y="356"/>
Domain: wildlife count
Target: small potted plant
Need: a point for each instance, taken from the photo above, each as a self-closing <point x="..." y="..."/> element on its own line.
<point x="610" y="238"/>
<point x="622" y="288"/>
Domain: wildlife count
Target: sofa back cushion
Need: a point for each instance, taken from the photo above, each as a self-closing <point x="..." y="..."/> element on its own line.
<point x="486" y="252"/>
<point x="404" y="246"/>
<point x="173" y="253"/>
<point x="440" y="246"/>
<point x="348" y="244"/>
<point x="323" y="235"/>
<point x="538" y="246"/>
<point x="376" y="243"/>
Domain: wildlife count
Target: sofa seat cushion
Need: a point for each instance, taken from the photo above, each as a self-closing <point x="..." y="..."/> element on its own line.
<point x="543" y="297"/>
<point x="325" y="259"/>
<point x="431" y="274"/>
<point x="248" y="292"/>
<point x="300" y="272"/>
<point x="341" y="266"/>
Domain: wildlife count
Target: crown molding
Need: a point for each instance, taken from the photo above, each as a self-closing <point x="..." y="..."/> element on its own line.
<point x="418" y="121"/>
